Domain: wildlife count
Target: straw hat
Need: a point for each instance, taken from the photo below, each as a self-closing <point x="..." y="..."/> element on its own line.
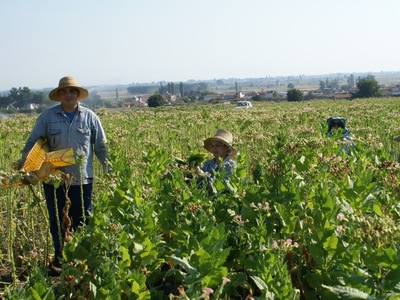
<point x="223" y="136"/>
<point x="68" y="81"/>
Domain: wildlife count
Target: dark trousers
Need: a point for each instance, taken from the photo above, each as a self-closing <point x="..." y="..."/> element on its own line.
<point x="75" y="211"/>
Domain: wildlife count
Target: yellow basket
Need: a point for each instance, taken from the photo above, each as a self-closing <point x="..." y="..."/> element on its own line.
<point x="40" y="154"/>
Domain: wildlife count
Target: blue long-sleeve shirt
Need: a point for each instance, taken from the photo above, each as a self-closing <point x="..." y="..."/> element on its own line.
<point x="84" y="134"/>
<point x="212" y="165"/>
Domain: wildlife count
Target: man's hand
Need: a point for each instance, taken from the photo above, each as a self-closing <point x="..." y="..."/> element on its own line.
<point x="30" y="178"/>
<point x="45" y="171"/>
<point x="17" y="165"/>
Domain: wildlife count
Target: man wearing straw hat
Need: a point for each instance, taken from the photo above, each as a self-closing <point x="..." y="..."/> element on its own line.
<point x="69" y="125"/>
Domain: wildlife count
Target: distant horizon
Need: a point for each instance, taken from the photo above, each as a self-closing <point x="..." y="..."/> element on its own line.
<point x="214" y="79"/>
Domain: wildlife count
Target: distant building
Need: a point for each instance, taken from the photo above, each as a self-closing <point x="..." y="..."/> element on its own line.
<point x="282" y="94"/>
<point x="31" y="106"/>
<point x="169" y="97"/>
<point x="232" y="96"/>
<point x="209" y="97"/>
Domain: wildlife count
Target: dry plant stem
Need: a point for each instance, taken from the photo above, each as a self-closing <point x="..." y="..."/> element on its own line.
<point x="66" y="221"/>
<point x="48" y="239"/>
<point x="10" y="235"/>
<point x="57" y="218"/>
<point x="81" y="190"/>
<point x="30" y="219"/>
<point x="45" y="218"/>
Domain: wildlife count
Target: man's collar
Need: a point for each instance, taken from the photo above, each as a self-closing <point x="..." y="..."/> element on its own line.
<point x="60" y="110"/>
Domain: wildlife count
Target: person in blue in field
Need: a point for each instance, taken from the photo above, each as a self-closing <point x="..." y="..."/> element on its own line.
<point x="220" y="146"/>
<point x="69" y="125"/>
<point x="339" y="123"/>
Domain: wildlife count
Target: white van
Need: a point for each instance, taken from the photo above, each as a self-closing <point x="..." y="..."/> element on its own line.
<point x="243" y="104"/>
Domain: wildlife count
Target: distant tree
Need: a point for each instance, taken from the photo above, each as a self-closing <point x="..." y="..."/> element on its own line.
<point x="322" y="85"/>
<point x="94" y="101"/>
<point x="5" y="101"/>
<point x="171" y="88"/>
<point x="309" y="96"/>
<point x="181" y="90"/>
<point x="367" y="87"/>
<point x="162" y="89"/>
<point x="203" y="86"/>
<point x="351" y="81"/>
<point x="108" y="103"/>
<point x="346" y="87"/>
<point x="256" y="98"/>
<point x="142" y="89"/>
<point x="186" y="100"/>
<point x="334" y="84"/>
<point x="194" y="94"/>
<point x="21" y="96"/>
<point x="156" y="100"/>
<point x="294" y="95"/>
<point x="290" y="86"/>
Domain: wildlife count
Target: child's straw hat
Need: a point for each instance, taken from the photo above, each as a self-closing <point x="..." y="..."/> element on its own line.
<point x="223" y="136"/>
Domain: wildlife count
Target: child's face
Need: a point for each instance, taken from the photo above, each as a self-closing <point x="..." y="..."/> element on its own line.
<point x="219" y="149"/>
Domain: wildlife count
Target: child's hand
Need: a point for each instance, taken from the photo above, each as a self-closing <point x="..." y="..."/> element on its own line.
<point x="200" y="172"/>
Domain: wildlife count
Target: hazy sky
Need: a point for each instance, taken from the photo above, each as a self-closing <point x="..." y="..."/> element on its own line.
<point x="135" y="41"/>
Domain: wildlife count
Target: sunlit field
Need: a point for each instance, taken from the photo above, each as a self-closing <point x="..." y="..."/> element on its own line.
<point x="300" y="218"/>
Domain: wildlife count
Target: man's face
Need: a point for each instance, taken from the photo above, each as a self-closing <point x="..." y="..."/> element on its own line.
<point x="68" y="98"/>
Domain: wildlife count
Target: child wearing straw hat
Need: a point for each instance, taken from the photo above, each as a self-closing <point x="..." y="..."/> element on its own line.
<point x="220" y="146"/>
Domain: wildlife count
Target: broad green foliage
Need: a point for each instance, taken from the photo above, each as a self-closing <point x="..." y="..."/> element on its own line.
<point x="299" y="219"/>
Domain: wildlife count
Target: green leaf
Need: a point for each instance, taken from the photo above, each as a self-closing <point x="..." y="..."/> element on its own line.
<point x="348" y="292"/>
<point x="259" y="283"/>
<point x="330" y="244"/>
<point x="283" y="212"/>
<point x="183" y="262"/>
<point x="391" y="281"/>
<point x="377" y="209"/>
<point x="125" y="257"/>
<point x="350" y="182"/>
<point x="34" y="294"/>
<point x="80" y="252"/>
<point x="93" y="289"/>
